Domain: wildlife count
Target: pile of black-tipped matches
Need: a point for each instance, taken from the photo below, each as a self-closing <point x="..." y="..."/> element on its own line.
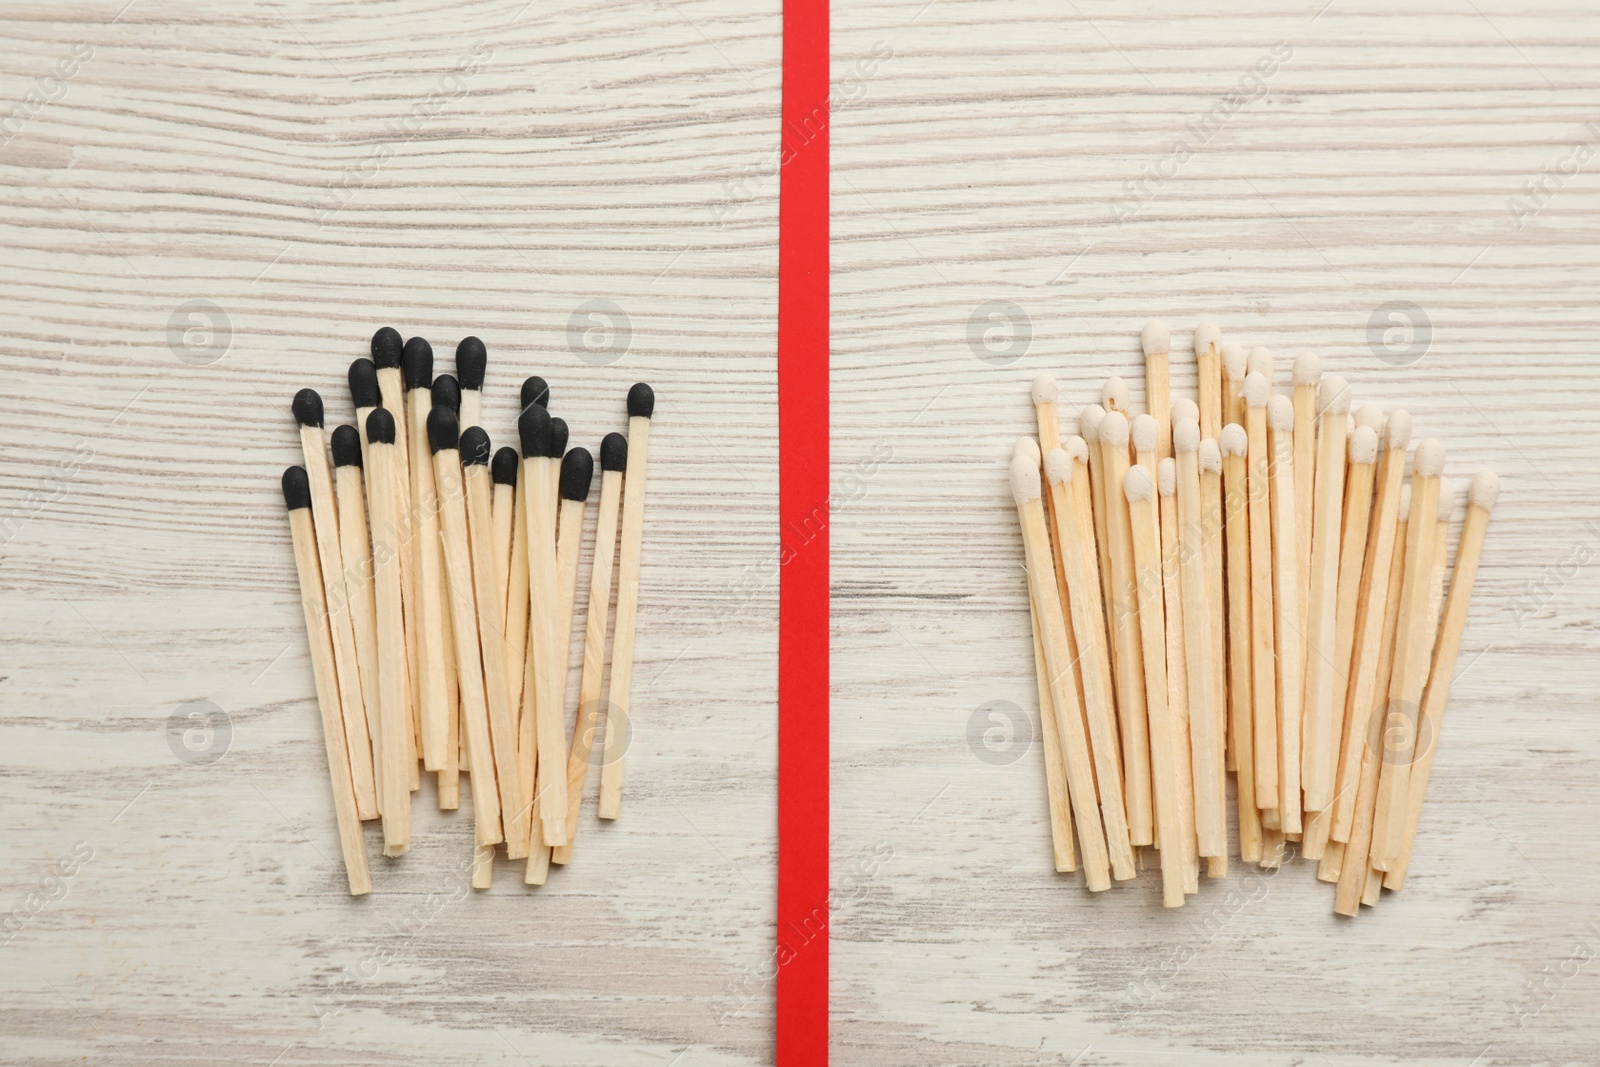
<point x="440" y="585"/>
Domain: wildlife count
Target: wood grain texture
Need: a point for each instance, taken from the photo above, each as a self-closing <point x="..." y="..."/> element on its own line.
<point x="978" y="164"/>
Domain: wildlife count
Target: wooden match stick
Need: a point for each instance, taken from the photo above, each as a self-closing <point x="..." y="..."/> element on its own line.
<point x="366" y="397"/>
<point x="444" y="436"/>
<point x="1286" y="605"/>
<point x="1412" y="651"/>
<point x="1305" y="374"/>
<point x="1115" y="396"/>
<point x="417" y="365"/>
<point x="543" y="735"/>
<point x="1139" y="488"/>
<point x="1177" y="669"/>
<point x="1156" y="340"/>
<point x="1211" y="538"/>
<point x="1044" y="405"/>
<point x="1321" y="733"/>
<point x="472" y="363"/>
<point x="388" y="353"/>
<point x="1210" y="797"/>
<point x="297" y="497"/>
<point x="1263" y="656"/>
<point x="1127" y="663"/>
<point x="534" y="391"/>
<point x="1450" y="502"/>
<point x="446" y="393"/>
<point x="503" y="505"/>
<point x="1234" y="367"/>
<point x="1075" y="561"/>
<point x="1236" y="526"/>
<point x="577" y="475"/>
<point x="1482" y="494"/>
<point x="641" y="405"/>
<point x="355" y="553"/>
<point x="307" y="408"/>
<point x="1027" y="492"/>
<point x="1089" y="420"/>
<point x="395" y="737"/>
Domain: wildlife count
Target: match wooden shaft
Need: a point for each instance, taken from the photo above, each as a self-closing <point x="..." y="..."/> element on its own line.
<point x="1320" y="740"/>
<point x="355" y="551"/>
<point x="1049" y="422"/>
<point x="1211" y="540"/>
<point x="1102" y="538"/>
<point x="1177" y="678"/>
<point x="569" y="543"/>
<point x="1412" y="650"/>
<point x="1304" y="397"/>
<point x="471" y="413"/>
<point x="502" y="506"/>
<point x="312" y="602"/>
<point x="528" y="753"/>
<point x="1263" y="645"/>
<point x="395" y="737"/>
<point x="517" y="595"/>
<point x="1126" y="661"/>
<point x="1436" y="584"/>
<point x="1374" y="887"/>
<point x="1088" y="612"/>
<point x="550" y="778"/>
<point x="461" y="586"/>
<point x="1055" y="767"/>
<point x="619" y="697"/>
<point x="434" y="701"/>
<point x="1210" y="796"/>
<point x="1152" y="634"/>
<point x="1158" y="399"/>
<point x="1288" y="618"/>
<point x="1468" y="554"/>
<point x="346" y="661"/>
<point x="392" y="391"/>
<point x="1069" y="723"/>
<point x="450" y="764"/>
<point x="1236" y="525"/>
<point x="1074" y="559"/>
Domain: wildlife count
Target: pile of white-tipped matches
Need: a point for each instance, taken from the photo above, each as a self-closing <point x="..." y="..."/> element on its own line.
<point x="439" y="588"/>
<point x="1243" y="583"/>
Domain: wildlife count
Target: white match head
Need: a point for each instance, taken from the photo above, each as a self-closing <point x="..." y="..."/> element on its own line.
<point x="1114" y="429"/>
<point x="1364" y="445"/>
<point x="1429" y="458"/>
<point x="1370" y="415"/>
<point x="1077" y="448"/>
<point x="1143" y="431"/>
<point x="1397" y="432"/>
<point x="1485" y="490"/>
<point x="1028" y="448"/>
<point x="1280" y="413"/>
<point x="1210" y="455"/>
<point x="1234" y="441"/>
<point x="1333" y="396"/>
<point x="1044" y="389"/>
<point x="1257" y="387"/>
<point x="1234" y="362"/>
<point x="1114" y="394"/>
<point x="1136" y="484"/>
<point x="1156" y="338"/>
<point x="1207" y="336"/>
<point x="1405" y="502"/>
<point x="1184" y="408"/>
<point x="1307" y="369"/>
<point x="1260" y="362"/>
<point x="1057" y="466"/>
<point x="1089" y="420"/>
<point x="1167" y="476"/>
<point x="1024" y="480"/>
<point x="1186" y="435"/>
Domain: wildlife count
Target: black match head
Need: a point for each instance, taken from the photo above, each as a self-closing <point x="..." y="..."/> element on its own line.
<point x="471" y="362"/>
<point x="380" y="427"/>
<point x="558" y="435"/>
<point x="386" y="347"/>
<point x="614" y="452"/>
<point x="474" y="446"/>
<point x="444" y="429"/>
<point x="577" y="471"/>
<point x="503" y="468"/>
<point x="641" y="401"/>
<point x="346" y="447"/>
<point x="364" y="384"/>
<point x="533" y="427"/>
<point x="535" y="390"/>
<point x="296" y="488"/>
<point x="416" y="364"/>
<point x="307" y="407"/>
<point x="447" y="393"/>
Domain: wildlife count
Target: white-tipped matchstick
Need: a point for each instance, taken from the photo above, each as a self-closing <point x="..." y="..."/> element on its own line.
<point x="1211" y="537"/>
<point x="1156" y="341"/>
<point x="1235" y="444"/>
<point x="1235" y="363"/>
<point x="1088" y="612"/>
<point x="1055" y="767"/>
<point x="1044" y="405"/>
<point x="1210" y="797"/>
<point x="1089" y="420"/>
<point x="396" y="741"/>
<point x="1286" y="609"/>
<point x="1209" y="403"/>
<point x="1177" y="670"/>
<point x="355" y="551"/>
<point x="1263" y="644"/>
<point x="1321" y="731"/>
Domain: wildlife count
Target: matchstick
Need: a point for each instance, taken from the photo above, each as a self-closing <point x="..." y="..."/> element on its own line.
<point x="1177" y="670"/>
<point x="1234" y="364"/>
<point x="444" y="436"/>
<point x="1156" y="340"/>
<point x="1115" y="396"/>
<point x="1027" y="492"/>
<point x="1089" y="420"/>
<point x="1236" y="526"/>
<point x="641" y="405"/>
<point x="1210" y="796"/>
<point x="1044" y="406"/>
<point x="395" y="738"/>
<point x="1045" y="394"/>
<point x="1211" y="537"/>
<point x="446" y="394"/>
<point x="1482" y="494"/>
<point x="472" y="362"/>
<point x="1139" y="488"/>
<point x="1412" y="650"/>
<point x="1321" y="733"/>
<point x="355" y="554"/>
<point x="388" y="353"/>
<point x="297" y="498"/>
<point x="1208" y="381"/>
<point x="503" y="504"/>
<point x="534" y="391"/>
<point x="1450" y="502"/>
<point x="1286" y="606"/>
<point x="1089" y="619"/>
<point x="417" y="364"/>
<point x="1127" y="663"/>
<point x="1263" y="644"/>
<point x="542" y="730"/>
<point x="307" y="409"/>
<point x="577" y="475"/>
<point x="613" y="461"/>
<point x="1075" y="562"/>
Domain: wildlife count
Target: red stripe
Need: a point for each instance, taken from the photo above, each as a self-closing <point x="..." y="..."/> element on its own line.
<point x="802" y="935"/>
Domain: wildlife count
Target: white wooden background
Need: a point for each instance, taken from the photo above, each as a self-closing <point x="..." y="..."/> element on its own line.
<point x="255" y="157"/>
